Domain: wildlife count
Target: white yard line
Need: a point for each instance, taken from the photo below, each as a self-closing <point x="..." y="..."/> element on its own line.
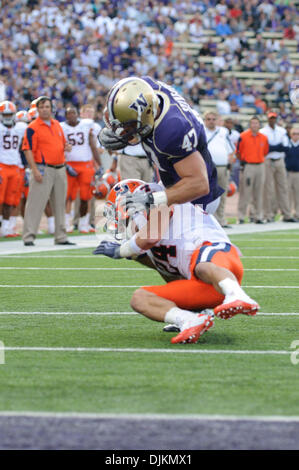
<point x="39" y="286"/>
<point x="269" y="257"/>
<point x="144" y="350"/>
<point x="266" y="240"/>
<point x="24" y="256"/>
<point x="259" y="314"/>
<point x="147" y="416"/>
<point x="78" y="268"/>
<point x="270" y="248"/>
<point x="38" y="256"/>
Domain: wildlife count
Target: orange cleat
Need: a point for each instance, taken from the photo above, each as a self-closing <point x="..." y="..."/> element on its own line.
<point x="12" y="235"/>
<point x="192" y="333"/>
<point x="230" y="309"/>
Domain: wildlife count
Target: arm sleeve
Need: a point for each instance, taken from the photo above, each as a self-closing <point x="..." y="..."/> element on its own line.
<point x="239" y="148"/>
<point x="28" y="141"/>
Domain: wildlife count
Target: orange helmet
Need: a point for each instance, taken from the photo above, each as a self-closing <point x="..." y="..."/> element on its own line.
<point x="103" y="186"/>
<point x="23" y="116"/>
<point x="7" y="113"/>
<point x="116" y="215"/>
<point x="232" y="188"/>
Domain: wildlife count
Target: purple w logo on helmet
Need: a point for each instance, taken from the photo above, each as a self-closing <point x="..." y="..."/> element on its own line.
<point x="140" y="102"/>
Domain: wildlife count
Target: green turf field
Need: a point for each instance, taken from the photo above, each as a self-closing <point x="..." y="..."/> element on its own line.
<point x="65" y="300"/>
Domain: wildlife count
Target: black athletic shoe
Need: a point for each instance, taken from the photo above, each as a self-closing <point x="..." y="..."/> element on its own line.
<point x="290" y="220"/>
<point x="171" y="329"/>
<point x="29" y="244"/>
<point x="67" y="242"/>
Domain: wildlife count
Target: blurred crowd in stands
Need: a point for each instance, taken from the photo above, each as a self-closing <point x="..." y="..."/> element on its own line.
<point x="73" y="51"/>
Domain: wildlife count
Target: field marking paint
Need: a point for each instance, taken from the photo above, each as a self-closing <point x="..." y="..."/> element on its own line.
<point x="102" y="256"/>
<point x="266" y="240"/>
<point x="78" y="268"/>
<point x="259" y="314"/>
<point x="144" y="350"/>
<point x="38" y="256"/>
<point x="24" y="256"/>
<point x="269" y="248"/>
<point x="39" y="286"/>
<point x="270" y="257"/>
<point x="147" y="416"/>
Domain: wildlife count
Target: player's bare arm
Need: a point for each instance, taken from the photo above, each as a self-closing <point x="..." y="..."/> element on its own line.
<point x="194" y="181"/>
<point x="96" y="151"/>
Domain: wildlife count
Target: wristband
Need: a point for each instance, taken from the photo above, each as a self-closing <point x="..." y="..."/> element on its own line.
<point x="160" y="198"/>
<point x="130" y="248"/>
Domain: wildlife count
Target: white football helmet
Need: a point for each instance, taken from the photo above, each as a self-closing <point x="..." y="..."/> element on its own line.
<point x="8" y="113"/>
<point x="131" y="109"/>
<point x="32" y="113"/>
<point x="117" y="218"/>
<point x="23" y="116"/>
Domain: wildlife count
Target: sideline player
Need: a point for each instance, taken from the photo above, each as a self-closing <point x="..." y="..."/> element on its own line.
<point x="22" y="120"/>
<point x="172" y="134"/>
<point x="80" y="167"/>
<point x="187" y="244"/>
<point x="10" y="177"/>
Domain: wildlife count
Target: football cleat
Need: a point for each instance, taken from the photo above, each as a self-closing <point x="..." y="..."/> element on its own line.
<point x="235" y="307"/>
<point x="171" y="329"/>
<point x="192" y="330"/>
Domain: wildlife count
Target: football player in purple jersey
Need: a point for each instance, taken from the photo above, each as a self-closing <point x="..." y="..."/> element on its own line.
<point x="173" y="136"/>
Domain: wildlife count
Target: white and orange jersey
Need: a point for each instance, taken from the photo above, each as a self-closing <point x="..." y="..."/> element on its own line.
<point x="78" y="137"/>
<point x="189" y="227"/>
<point x="22" y="126"/>
<point x="10" y="141"/>
<point x="97" y="128"/>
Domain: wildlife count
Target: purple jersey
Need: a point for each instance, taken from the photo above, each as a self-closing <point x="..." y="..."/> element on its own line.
<point x="178" y="132"/>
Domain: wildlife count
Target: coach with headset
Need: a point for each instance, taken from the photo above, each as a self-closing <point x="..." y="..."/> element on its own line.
<point x="44" y="145"/>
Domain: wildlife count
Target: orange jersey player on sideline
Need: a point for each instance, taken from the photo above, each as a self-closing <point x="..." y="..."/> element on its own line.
<point x="189" y="248"/>
<point x="80" y="168"/>
<point x="10" y="177"/>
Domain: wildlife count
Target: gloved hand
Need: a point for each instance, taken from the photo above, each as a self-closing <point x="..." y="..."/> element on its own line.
<point x="137" y="202"/>
<point x="71" y="171"/>
<point x="109" y="140"/>
<point x="26" y="177"/>
<point x="107" y="248"/>
<point x="99" y="173"/>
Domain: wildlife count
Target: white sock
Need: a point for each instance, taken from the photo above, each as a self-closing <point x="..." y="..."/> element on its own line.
<point x="177" y="316"/>
<point x="5" y="227"/>
<point x="230" y="287"/>
<point x="51" y="224"/>
<point x="87" y="218"/>
<point x="12" y="222"/>
<point x="83" y="225"/>
<point x="67" y="219"/>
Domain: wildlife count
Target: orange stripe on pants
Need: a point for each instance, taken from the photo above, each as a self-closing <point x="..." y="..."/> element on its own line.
<point x="194" y="294"/>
